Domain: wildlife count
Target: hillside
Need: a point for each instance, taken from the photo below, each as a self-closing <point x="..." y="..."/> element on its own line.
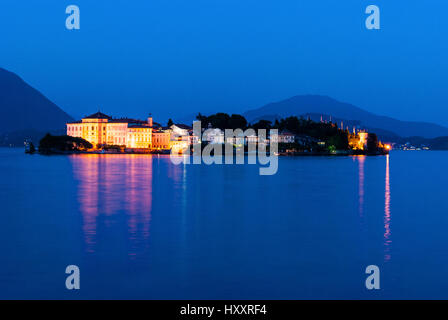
<point x="314" y="104"/>
<point x="25" y="111"/>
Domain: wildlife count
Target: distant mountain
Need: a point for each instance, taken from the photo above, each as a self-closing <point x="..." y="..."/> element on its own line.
<point x="25" y="111"/>
<point x="314" y="104"/>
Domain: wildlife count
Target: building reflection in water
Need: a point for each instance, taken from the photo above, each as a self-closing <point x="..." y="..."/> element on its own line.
<point x="111" y="186"/>
<point x="361" y="160"/>
<point x="387" y="232"/>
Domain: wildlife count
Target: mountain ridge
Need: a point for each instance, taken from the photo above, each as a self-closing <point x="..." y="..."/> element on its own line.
<point x="303" y="104"/>
<point x="23" y="107"/>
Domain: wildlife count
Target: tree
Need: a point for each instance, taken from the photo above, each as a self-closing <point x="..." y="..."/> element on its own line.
<point x="51" y="143"/>
<point x="339" y="140"/>
<point x="201" y="118"/>
<point x="372" y="142"/>
<point x="170" y="122"/>
<point x="276" y="124"/>
<point x="262" y="124"/>
<point x="332" y="149"/>
<point x="237" y="121"/>
<point x="292" y="124"/>
<point x="219" y="120"/>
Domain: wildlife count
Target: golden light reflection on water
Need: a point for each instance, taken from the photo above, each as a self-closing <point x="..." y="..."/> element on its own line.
<point x="361" y="160"/>
<point x="111" y="185"/>
<point x="387" y="232"/>
<point x="387" y="198"/>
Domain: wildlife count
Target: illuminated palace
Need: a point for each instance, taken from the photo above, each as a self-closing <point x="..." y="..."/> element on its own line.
<point x="100" y="129"/>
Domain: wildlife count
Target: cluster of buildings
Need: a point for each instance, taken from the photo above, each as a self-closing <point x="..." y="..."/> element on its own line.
<point x="216" y="135"/>
<point x="102" y="130"/>
<point x="410" y="147"/>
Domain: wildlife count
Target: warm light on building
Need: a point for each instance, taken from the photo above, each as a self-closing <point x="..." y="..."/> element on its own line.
<point x="161" y="140"/>
<point x="100" y="129"/>
<point x="363" y="139"/>
<point x="358" y="140"/>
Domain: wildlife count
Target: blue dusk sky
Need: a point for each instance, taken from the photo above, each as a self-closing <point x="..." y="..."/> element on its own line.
<point x="178" y="57"/>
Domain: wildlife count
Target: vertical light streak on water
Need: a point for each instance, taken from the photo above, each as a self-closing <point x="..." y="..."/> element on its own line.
<point x="361" y="160"/>
<point x="387" y="231"/>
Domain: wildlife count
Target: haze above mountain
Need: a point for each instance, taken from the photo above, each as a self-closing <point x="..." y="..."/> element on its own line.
<point x="315" y="104"/>
<point x="23" y="108"/>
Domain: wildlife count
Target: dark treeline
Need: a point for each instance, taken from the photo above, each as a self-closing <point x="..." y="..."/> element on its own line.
<point x="324" y="131"/>
<point x="223" y="121"/>
<point x="51" y="143"/>
<point x="327" y="132"/>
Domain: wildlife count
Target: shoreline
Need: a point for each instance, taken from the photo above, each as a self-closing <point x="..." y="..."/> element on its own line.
<point x="280" y="154"/>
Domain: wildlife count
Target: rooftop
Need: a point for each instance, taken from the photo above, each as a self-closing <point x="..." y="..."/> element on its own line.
<point x="98" y="115"/>
<point x="183" y="126"/>
<point x="127" y="120"/>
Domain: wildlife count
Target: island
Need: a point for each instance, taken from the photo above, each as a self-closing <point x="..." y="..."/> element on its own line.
<point x="100" y="133"/>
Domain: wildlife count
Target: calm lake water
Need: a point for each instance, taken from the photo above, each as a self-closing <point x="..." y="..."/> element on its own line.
<point x="140" y="227"/>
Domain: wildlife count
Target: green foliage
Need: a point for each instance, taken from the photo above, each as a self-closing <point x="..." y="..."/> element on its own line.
<point x="339" y="140"/>
<point x="332" y="149"/>
<point x="170" y="122"/>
